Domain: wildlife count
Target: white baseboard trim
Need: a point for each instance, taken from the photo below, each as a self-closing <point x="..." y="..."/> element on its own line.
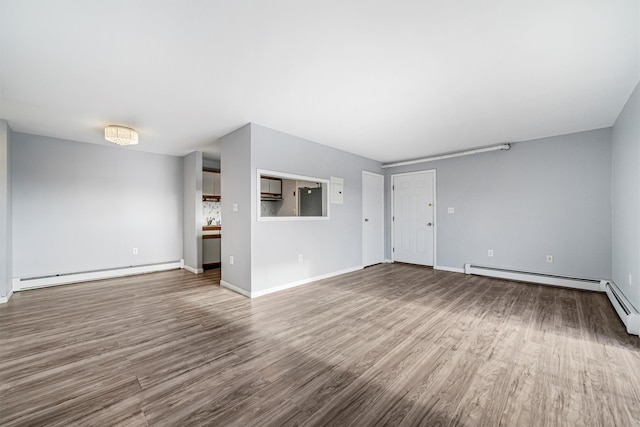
<point x="235" y="288"/>
<point x="388" y="261"/>
<point x="193" y="270"/>
<point x="304" y="281"/>
<point x="541" y="278"/>
<point x="451" y="269"/>
<point x="21" y="284"/>
<point x="287" y="285"/>
<point x="4" y="300"/>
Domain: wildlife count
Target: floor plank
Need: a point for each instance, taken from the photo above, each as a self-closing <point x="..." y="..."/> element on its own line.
<point x="392" y="344"/>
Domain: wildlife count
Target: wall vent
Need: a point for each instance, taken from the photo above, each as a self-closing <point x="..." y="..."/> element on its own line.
<point x="542" y="278"/>
<point x="25" y="283"/>
<point x="628" y="314"/>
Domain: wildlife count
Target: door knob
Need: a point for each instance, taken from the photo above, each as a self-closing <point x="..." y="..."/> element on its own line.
<point x="366" y="220"/>
<point x="429" y="224"/>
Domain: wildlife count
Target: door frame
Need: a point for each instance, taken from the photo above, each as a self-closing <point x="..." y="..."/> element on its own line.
<point x="381" y="213"/>
<point x="435" y="211"/>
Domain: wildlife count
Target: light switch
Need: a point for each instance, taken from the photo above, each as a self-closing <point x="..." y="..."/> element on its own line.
<point x="235" y="207"/>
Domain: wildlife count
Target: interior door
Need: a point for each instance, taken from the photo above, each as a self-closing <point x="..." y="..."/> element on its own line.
<point x="413" y="217"/>
<point x="372" y="218"/>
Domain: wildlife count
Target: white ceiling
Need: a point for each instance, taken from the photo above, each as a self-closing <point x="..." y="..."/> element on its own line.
<point x="389" y="80"/>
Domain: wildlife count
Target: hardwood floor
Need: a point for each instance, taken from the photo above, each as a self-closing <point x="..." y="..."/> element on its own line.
<point x="389" y="345"/>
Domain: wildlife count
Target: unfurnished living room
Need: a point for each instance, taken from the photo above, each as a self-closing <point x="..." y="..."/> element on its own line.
<point x="278" y="213"/>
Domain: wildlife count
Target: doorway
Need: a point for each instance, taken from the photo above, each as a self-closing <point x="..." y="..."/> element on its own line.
<point x="413" y="202"/>
<point x="372" y="218"/>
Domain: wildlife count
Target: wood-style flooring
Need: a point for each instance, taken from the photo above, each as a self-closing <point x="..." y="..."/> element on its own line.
<point x="389" y="345"/>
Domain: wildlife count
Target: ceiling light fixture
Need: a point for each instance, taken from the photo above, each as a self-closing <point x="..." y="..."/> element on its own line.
<point x="448" y="156"/>
<point x="121" y="135"/>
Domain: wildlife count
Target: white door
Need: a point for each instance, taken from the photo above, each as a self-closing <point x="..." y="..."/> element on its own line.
<point x="372" y="218"/>
<point x="413" y="217"/>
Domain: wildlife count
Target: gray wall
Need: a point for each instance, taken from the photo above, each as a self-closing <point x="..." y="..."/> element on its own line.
<point x="5" y="209"/>
<point x="626" y="199"/>
<point x="547" y="196"/>
<point x="326" y="246"/>
<point x="192" y="225"/>
<point x="80" y="207"/>
<point x="236" y="187"/>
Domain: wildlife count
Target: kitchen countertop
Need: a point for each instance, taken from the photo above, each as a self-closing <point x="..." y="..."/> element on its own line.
<point x="211" y="232"/>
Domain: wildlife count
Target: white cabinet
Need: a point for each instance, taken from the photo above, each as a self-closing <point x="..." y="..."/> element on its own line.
<point x="216" y="184"/>
<point x="271" y="187"/>
<point x="264" y="185"/>
<point x="275" y="186"/>
<point x="210" y="184"/>
<point x="207" y="183"/>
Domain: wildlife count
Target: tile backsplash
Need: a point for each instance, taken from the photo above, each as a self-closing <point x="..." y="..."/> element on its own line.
<point x="269" y="208"/>
<point x="211" y="210"/>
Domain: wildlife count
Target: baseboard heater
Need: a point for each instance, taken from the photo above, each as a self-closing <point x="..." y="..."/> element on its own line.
<point x="628" y="314"/>
<point x="545" y="279"/>
<point x="24" y="283"/>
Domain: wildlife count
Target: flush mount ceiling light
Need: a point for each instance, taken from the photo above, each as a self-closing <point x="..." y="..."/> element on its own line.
<point x="121" y="135"/>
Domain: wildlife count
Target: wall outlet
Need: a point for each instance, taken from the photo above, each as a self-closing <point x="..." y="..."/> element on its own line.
<point x="451" y="210"/>
<point x="490" y="252"/>
<point x="135" y="251"/>
<point x="300" y="258"/>
<point x="231" y="260"/>
<point x="549" y="258"/>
